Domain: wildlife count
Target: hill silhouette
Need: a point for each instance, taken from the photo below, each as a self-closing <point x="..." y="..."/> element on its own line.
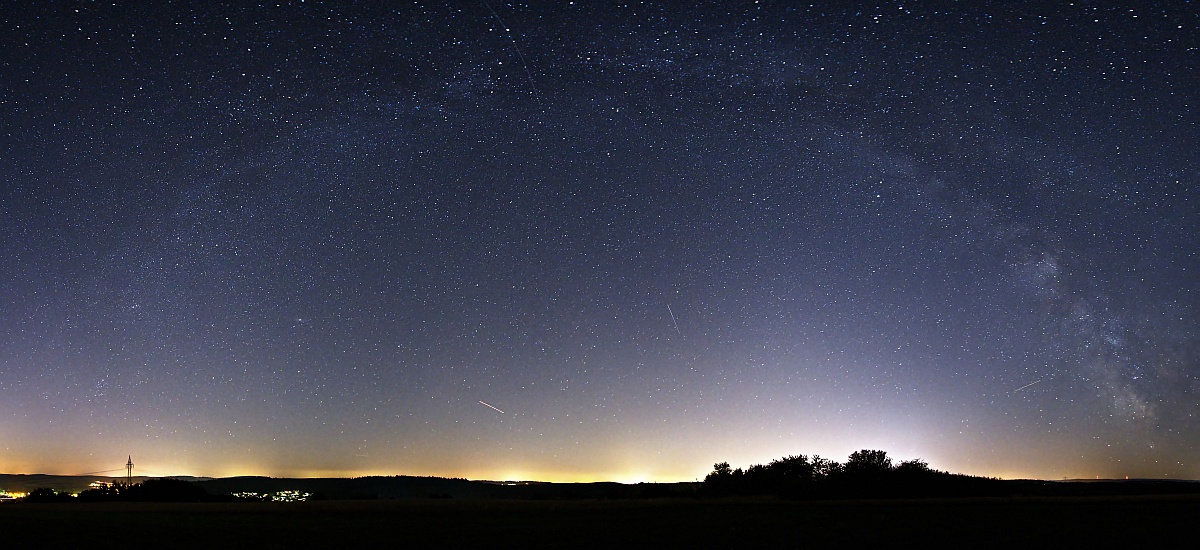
<point x="870" y="474"/>
<point x="866" y="474"/>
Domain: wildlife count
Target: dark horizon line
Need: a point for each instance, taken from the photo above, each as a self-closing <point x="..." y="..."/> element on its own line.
<point x="118" y="477"/>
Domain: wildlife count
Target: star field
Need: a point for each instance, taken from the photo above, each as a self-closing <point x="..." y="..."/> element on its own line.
<point x="316" y="238"/>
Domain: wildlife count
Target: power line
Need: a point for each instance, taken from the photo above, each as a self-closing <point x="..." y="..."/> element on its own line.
<point x="97" y="473"/>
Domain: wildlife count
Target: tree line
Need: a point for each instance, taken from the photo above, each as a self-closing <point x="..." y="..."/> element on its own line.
<point x="151" y="490"/>
<point x="866" y="474"/>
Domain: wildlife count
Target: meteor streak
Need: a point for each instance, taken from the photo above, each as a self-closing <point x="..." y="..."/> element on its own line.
<point x="1026" y="385"/>
<point x="491" y="407"/>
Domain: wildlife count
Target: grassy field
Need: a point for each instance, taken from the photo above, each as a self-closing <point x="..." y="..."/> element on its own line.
<point x="1101" y="521"/>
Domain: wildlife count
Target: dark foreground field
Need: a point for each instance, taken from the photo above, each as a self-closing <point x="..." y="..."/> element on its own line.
<point x="1044" y="522"/>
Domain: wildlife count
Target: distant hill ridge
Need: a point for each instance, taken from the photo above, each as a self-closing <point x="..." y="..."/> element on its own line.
<point x="415" y="487"/>
<point x="24" y="483"/>
<point x="371" y="487"/>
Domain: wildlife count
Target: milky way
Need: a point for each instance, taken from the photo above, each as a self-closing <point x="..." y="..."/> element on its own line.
<point x="317" y="238"/>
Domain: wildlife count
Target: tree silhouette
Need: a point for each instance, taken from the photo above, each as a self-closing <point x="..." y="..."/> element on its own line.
<point x="792" y="475"/>
<point x="866" y="474"/>
<point x="721" y="469"/>
<point x="104" y="493"/>
<point x="46" y="494"/>
<point x="867" y="464"/>
<point x="793" y="469"/>
<point x="720" y="480"/>
<point x="914" y="466"/>
<point x="823" y="468"/>
<point x="151" y="490"/>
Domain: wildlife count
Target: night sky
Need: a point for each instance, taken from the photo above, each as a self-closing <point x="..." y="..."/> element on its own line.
<point x="598" y="241"/>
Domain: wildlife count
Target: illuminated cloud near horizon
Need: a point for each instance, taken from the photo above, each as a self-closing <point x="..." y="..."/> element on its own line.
<point x="318" y="240"/>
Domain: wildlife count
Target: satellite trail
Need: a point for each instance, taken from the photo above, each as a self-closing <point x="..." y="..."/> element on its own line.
<point x="1026" y="386"/>
<point x="491" y="407"/>
<point x="673" y="321"/>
